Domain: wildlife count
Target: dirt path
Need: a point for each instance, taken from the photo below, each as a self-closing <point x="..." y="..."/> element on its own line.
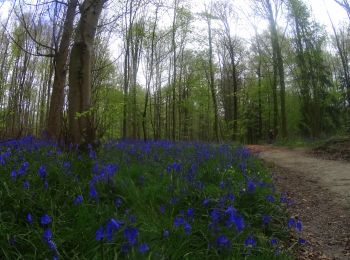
<point x="320" y="192"/>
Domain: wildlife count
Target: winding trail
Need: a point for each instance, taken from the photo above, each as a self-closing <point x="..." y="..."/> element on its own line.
<point x="320" y="191"/>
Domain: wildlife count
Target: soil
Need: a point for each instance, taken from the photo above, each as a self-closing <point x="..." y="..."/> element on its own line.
<point x="320" y="193"/>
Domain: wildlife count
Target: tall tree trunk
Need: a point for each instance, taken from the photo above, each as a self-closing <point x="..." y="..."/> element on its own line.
<point x="54" y="124"/>
<point x="149" y="80"/>
<point x="173" y="133"/>
<point x="278" y="66"/>
<point x="79" y="96"/>
<point x="212" y="83"/>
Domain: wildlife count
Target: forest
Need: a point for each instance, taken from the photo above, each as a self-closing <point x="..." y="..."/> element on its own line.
<point x="155" y="70"/>
<point x="138" y="129"/>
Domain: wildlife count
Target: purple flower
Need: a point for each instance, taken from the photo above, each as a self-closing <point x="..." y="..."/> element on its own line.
<point x="29" y="218"/>
<point x="93" y="192"/>
<point x="299" y="226"/>
<point x="45" y="219"/>
<point x="187" y="228"/>
<point x="46" y="185"/>
<point x="52" y="245"/>
<point x="131" y="234"/>
<point x="270" y="198"/>
<point x="115" y="224"/>
<point x="214" y="215"/>
<point x="250" y="241"/>
<point x="26" y="185"/>
<point x="99" y="234"/>
<point x="118" y="202"/>
<point x="266" y="219"/>
<point x="42" y="172"/>
<point x="302" y="241"/>
<point x="143" y="248"/>
<point x="78" y="200"/>
<point x="251" y="186"/>
<point x="166" y="233"/>
<point x="291" y="223"/>
<point x="14" y="175"/>
<point x="223" y="241"/>
<point x="273" y="241"/>
<point x="162" y="209"/>
<point x="190" y="213"/>
<point x="179" y="221"/>
<point x="222" y="184"/>
<point x="205" y="202"/>
<point x="47" y="234"/>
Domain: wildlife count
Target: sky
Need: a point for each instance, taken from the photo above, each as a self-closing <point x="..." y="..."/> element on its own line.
<point x="319" y="10"/>
<point x="242" y="27"/>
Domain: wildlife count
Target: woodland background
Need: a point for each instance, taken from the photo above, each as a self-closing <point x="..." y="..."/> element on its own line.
<point x="60" y="79"/>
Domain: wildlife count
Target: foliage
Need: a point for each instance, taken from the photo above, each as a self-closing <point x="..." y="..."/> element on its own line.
<point x="137" y="200"/>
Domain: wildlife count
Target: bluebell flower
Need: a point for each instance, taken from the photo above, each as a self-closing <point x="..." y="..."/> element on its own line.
<point x="187" y="228"/>
<point x="162" y="209"/>
<point x="46" y="185"/>
<point x="266" y="219"/>
<point x="250" y="241"/>
<point x="166" y="233"/>
<point x="143" y="248"/>
<point x="93" y="192"/>
<point x="78" y="200"/>
<point x="270" y="198"/>
<point x="66" y="164"/>
<point x="238" y="221"/>
<point x="222" y="184"/>
<point x="190" y="213"/>
<point x="118" y="202"/>
<point x="42" y="172"/>
<point x="230" y="197"/>
<point x="205" y="202"/>
<point x="214" y="215"/>
<point x="115" y="224"/>
<point x="223" y="241"/>
<point x="179" y="221"/>
<point x="273" y="241"/>
<point x="301" y="241"/>
<point x="14" y="175"/>
<point x="173" y="200"/>
<point x="230" y="210"/>
<point x="299" y="226"/>
<point x="29" y="218"/>
<point x="131" y="234"/>
<point x="47" y="234"/>
<point x="26" y="185"/>
<point x="251" y="186"/>
<point x="52" y="245"/>
<point x="45" y="219"/>
<point x="291" y="223"/>
<point x="99" y="235"/>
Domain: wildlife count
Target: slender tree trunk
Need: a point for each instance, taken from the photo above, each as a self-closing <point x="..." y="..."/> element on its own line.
<point x="54" y="124"/>
<point x="212" y="83"/>
<point x="278" y="67"/>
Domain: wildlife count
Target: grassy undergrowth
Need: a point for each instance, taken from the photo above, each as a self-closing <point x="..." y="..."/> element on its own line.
<point x="139" y="200"/>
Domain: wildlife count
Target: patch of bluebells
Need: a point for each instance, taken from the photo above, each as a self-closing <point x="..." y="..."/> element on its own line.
<point x="212" y="190"/>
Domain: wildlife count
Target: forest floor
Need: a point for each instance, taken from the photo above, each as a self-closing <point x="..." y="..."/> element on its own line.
<point x="319" y="189"/>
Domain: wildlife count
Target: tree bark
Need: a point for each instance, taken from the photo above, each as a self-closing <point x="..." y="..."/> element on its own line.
<point x="79" y="97"/>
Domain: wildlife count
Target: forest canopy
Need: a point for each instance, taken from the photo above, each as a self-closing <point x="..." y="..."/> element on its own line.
<point x="86" y="70"/>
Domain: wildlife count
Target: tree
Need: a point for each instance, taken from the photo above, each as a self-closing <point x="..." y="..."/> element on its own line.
<point x="54" y="124"/>
<point x="266" y="9"/>
<point x="79" y="96"/>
